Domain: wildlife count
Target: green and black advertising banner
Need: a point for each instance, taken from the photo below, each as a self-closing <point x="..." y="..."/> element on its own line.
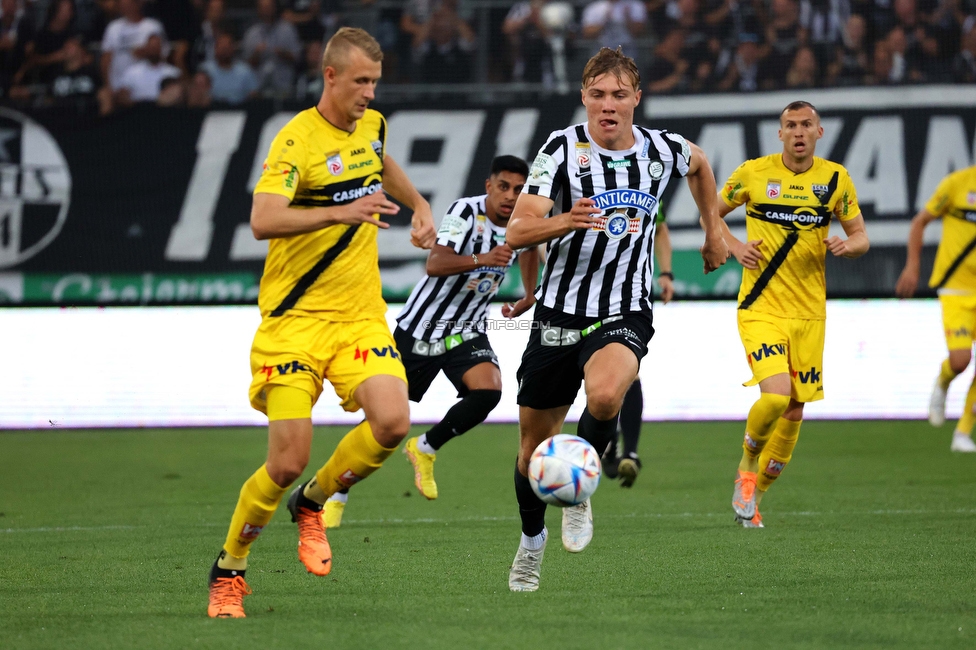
<point x="151" y="206"/>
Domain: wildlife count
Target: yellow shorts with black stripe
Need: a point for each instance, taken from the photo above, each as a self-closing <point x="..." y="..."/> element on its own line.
<point x="302" y="351"/>
<point x="776" y="345"/>
<point x="958" y="320"/>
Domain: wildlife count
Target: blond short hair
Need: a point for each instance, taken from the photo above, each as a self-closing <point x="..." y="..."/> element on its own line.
<point x="612" y="61"/>
<point x="337" y="49"/>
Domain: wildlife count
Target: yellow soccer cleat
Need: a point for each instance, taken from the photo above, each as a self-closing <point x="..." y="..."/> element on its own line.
<point x="423" y="469"/>
<point x="332" y="513"/>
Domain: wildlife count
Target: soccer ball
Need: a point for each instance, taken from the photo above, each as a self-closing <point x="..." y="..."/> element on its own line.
<point x="564" y="470"/>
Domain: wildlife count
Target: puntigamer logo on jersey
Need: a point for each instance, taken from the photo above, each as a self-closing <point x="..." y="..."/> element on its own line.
<point x="35" y="188"/>
<point x="616" y="224"/>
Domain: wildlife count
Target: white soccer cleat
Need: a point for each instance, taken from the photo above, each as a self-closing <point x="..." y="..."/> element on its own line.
<point x="937" y="405"/>
<point x="577" y="527"/>
<point x="526" y="568"/>
<point x="962" y="443"/>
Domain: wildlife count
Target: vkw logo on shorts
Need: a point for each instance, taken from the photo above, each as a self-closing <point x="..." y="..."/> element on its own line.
<point x="35" y="188"/>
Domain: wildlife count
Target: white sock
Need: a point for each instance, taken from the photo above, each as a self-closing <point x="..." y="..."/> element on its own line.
<point x="424" y="446"/>
<point x="341" y="497"/>
<point x="534" y="543"/>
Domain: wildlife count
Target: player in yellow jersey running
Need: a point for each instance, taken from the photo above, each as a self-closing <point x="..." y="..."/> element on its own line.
<point x="790" y="200"/>
<point x="954" y="277"/>
<point x="319" y="202"/>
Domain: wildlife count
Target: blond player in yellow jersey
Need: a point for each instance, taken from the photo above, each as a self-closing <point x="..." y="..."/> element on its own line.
<point x="319" y="202"/>
<point x="954" y="277"/>
<point x="790" y="200"/>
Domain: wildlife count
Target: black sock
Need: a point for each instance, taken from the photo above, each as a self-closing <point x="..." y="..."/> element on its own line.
<point x="304" y="502"/>
<point x="217" y="572"/>
<point x="343" y="491"/>
<point x="599" y="433"/>
<point x="532" y="509"/>
<point x="463" y="416"/>
<point x="631" y="414"/>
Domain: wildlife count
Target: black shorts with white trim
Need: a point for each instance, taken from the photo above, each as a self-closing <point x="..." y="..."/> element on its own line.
<point x="454" y="356"/>
<point x="560" y="345"/>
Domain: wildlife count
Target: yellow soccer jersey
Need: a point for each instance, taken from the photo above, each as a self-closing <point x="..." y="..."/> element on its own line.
<point x="955" y="201"/>
<point x="332" y="273"/>
<point x="791" y="214"/>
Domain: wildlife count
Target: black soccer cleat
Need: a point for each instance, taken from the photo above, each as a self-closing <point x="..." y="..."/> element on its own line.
<point x="628" y="468"/>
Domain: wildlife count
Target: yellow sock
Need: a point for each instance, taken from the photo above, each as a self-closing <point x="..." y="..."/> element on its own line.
<point x="777" y="453"/>
<point x="946" y="375"/>
<point x="966" y="420"/>
<point x="258" y="501"/>
<point x="357" y="456"/>
<point x="759" y="426"/>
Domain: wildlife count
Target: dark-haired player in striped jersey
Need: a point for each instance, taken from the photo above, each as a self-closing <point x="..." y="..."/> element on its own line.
<point x="594" y="307"/>
<point x="790" y="198"/>
<point x="442" y="327"/>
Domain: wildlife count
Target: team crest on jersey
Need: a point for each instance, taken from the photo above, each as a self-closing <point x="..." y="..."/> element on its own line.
<point x="820" y="190"/>
<point x="971" y="198"/>
<point x="773" y="188"/>
<point x="377" y="147"/>
<point x="656" y="170"/>
<point x="484" y="285"/>
<point x="616" y="226"/>
<point x="334" y="162"/>
<point x="583" y="154"/>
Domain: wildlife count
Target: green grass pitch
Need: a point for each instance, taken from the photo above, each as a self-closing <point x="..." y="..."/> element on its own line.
<point x="106" y="538"/>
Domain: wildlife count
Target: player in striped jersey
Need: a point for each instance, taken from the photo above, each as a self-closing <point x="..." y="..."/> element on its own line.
<point x="594" y="307"/>
<point x="790" y="198"/>
<point x="954" y="277"/>
<point x="442" y="327"/>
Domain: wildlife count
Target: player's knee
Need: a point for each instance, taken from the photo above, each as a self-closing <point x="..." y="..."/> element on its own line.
<point x="286" y="471"/>
<point x="390" y="428"/>
<point x="603" y="403"/>
<point x="959" y="360"/>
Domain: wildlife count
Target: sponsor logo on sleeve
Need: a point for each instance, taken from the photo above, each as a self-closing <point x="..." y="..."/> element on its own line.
<point x="542" y="167"/>
<point x="452" y="226"/>
<point x="685" y="147"/>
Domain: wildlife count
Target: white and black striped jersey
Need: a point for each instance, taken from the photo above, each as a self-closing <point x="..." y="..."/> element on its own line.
<point x="606" y="270"/>
<point x="440" y="307"/>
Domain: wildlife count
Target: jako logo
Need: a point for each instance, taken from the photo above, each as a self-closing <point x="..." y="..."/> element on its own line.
<point x="768" y="351"/>
<point x="774" y="467"/>
<point x="380" y="352"/>
<point x="284" y="368"/>
<point x="812" y="377"/>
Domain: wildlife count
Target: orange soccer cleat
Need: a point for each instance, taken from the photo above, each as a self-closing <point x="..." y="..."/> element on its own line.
<point x="744" y="495"/>
<point x="313" y="546"/>
<point x="227" y="597"/>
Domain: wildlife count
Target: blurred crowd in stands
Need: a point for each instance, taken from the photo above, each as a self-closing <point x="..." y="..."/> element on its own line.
<point x="113" y="53"/>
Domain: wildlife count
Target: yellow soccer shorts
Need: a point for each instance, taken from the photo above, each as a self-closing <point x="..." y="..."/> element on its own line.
<point x="958" y="320"/>
<point x="301" y="351"/>
<point x="776" y="345"/>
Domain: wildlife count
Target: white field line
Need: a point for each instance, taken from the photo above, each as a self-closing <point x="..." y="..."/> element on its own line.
<point x="461" y="520"/>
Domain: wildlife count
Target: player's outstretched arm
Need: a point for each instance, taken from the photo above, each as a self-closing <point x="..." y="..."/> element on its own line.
<point x="444" y="261"/>
<point x="908" y="280"/>
<point x="272" y="217"/>
<point x="529" y="269"/>
<point x="397" y="183"/>
<point x="530" y="227"/>
<point x="855" y="245"/>
<point x="701" y="182"/>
